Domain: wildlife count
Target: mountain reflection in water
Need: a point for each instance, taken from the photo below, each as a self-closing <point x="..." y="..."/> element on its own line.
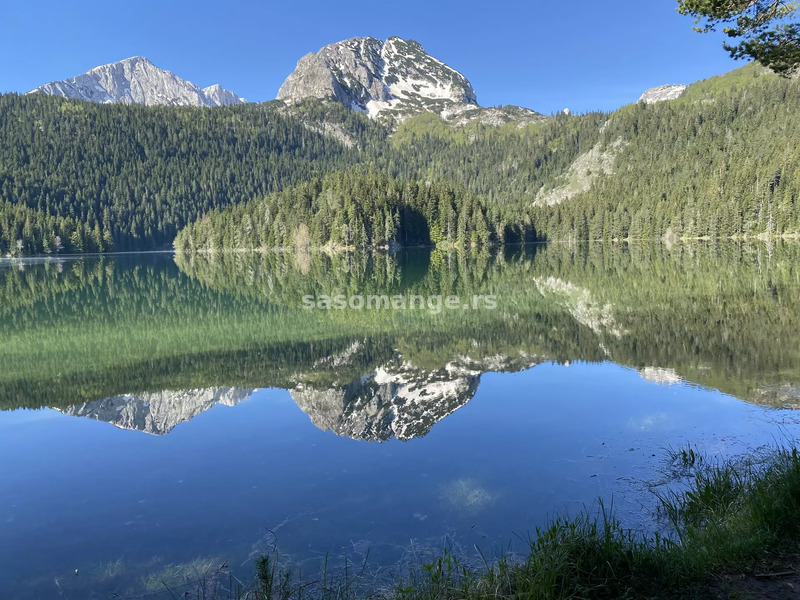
<point x="722" y="316"/>
<point x="595" y="360"/>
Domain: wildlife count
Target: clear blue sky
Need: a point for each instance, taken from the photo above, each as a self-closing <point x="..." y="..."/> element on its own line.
<point x="581" y="54"/>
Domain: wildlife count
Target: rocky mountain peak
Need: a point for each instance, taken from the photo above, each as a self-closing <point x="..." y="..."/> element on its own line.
<point x="219" y="96"/>
<point x="136" y="80"/>
<point x="662" y="93"/>
<point x="394" y="78"/>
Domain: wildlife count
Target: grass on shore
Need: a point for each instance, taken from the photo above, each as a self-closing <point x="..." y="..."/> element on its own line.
<point x="734" y="522"/>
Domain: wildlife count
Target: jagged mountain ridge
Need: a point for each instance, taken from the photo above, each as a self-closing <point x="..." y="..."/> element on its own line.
<point x="136" y="80"/>
<point x="395" y="78"/>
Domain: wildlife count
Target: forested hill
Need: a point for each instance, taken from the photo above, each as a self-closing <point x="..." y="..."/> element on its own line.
<point x="723" y="160"/>
<point x="82" y="177"/>
<point x="354" y="209"/>
<point x="91" y="177"/>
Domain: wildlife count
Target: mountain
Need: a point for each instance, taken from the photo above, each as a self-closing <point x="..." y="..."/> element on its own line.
<point x="396" y="78"/>
<point x="156" y="413"/>
<point x="662" y="93"/>
<point x="394" y="400"/>
<point x="641" y="172"/>
<point x="137" y="81"/>
<point x="720" y="160"/>
<point x="397" y="400"/>
<point x="400" y="400"/>
<point x="219" y="96"/>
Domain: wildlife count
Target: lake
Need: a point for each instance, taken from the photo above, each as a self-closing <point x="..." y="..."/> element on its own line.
<point x="169" y="418"/>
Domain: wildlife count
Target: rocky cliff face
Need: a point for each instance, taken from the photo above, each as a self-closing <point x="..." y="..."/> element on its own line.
<point x="662" y="93"/>
<point x="157" y="413"/>
<point x="138" y="81"/>
<point x="395" y="78"/>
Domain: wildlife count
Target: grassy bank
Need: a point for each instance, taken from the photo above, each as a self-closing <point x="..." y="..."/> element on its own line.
<point x="733" y="533"/>
<point x="736" y="533"/>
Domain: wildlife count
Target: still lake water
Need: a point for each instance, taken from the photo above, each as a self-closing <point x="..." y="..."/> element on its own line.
<point x="162" y="416"/>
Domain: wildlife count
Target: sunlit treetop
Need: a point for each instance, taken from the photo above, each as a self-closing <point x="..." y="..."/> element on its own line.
<point x="764" y="30"/>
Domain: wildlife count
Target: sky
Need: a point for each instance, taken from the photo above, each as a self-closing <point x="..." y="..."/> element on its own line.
<point x="580" y="54"/>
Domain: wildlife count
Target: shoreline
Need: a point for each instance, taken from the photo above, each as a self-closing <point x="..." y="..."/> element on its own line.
<point x="43" y="258"/>
<point x="735" y="533"/>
